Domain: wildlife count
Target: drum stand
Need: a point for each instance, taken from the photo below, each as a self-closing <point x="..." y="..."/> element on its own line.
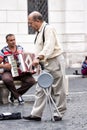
<point x="51" y="102"/>
<point x="45" y="81"/>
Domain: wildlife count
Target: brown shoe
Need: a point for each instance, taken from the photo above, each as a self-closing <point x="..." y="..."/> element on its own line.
<point x="57" y="118"/>
<point x="34" y="118"/>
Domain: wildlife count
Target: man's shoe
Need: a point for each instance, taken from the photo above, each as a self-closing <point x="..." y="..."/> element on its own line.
<point x="57" y="118"/>
<point x="20" y="100"/>
<point x="12" y="99"/>
<point x="33" y="118"/>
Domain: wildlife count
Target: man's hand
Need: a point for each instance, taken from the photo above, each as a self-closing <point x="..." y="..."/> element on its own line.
<point x="7" y="66"/>
<point x="35" y="62"/>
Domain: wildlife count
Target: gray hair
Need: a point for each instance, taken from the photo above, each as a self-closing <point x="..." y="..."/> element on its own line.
<point x="36" y="16"/>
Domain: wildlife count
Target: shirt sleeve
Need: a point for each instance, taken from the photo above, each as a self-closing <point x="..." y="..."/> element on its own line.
<point x="1" y="54"/>
<point x="84" y="65"/>
<point x="20" y="49"/>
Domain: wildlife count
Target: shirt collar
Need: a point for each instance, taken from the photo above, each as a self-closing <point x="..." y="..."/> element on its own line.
<point x="7" y="48"/>
<point x="42" y="26"/>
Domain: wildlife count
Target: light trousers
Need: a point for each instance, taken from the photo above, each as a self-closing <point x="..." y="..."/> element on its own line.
<point x="54" y="67"/>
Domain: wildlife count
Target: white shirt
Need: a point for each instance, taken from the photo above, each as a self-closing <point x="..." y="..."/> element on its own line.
<point x="51" y="47"/>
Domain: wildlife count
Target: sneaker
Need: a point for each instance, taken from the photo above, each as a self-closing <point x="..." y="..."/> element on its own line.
<point x="20" y="100"/>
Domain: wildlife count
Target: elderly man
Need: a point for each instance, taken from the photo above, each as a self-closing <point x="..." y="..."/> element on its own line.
<point x="49" y="51"/>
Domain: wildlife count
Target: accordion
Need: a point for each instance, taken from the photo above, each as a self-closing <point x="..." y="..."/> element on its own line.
<point x="21" y="63"/>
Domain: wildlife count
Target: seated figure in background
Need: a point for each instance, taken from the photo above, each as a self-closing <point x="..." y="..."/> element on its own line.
<point x="27" y="81"/>
<point x="84" y="67"/>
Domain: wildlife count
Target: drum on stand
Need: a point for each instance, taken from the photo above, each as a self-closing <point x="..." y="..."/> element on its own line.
<point x="45" y="81"/>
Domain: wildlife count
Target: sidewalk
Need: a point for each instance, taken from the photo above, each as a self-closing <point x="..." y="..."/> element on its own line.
<point x="75" y="117"/>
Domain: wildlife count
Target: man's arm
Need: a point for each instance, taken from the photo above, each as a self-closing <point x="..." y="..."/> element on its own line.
<point x="4" y="66"/>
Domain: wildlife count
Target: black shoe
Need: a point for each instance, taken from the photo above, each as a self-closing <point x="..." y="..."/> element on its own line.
<point x="12" y="99"/>
<point x="57" y="118"/>
<point x="34" y="118"/>
<point x="20" y="100"/>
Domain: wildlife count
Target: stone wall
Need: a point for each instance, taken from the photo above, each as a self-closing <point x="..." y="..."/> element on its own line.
<point x="68" y="16"/>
